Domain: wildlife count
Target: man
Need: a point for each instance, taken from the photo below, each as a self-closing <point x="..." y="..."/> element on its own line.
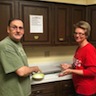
<point x="14" y="70"/>
<point x="83" y="69"/>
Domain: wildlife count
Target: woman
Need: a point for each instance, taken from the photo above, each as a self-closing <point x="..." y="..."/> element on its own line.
<point x="83" y="69"/>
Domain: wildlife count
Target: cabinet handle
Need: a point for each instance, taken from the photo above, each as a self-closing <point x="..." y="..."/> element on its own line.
<point x="61" y="39"/>
<point x="66" y="85"/>
<point x="37" y="92"/>
<point x="36" y="37"/>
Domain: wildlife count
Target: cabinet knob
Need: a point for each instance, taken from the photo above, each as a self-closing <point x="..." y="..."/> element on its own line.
<point x="38" y="92"/>
<point x="36" y="37"/>
<point x="61" y="39"/>
<point x="66" y="85"/>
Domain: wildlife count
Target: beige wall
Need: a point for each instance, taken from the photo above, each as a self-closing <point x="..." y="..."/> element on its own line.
<point x="91" y="2"/>
<point x="68" y="1"/>
<point x="81" y="2"/>
<point x="49" y="54"/>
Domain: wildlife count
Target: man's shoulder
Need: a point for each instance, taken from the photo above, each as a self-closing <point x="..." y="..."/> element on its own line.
<point x="5" y="43"/>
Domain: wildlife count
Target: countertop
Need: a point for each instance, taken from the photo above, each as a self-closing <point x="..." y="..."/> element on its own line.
<point x="50" y="78"/>
<point x="51" y="71"/>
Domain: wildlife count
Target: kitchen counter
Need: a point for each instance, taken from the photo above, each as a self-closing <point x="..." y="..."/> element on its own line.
<point x="51" y="71"/>
<point x="50" y="78"/>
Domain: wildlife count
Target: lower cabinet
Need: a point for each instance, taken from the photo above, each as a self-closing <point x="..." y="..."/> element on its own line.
<point x="68" y="88"/>
<point x="58" y="88"/>
<point x="47" y="89"/>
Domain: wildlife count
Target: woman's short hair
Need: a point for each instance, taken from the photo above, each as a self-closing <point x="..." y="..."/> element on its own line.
<point x="85" y="26"/>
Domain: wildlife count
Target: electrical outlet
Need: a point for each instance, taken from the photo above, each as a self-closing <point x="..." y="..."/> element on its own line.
<point x="47" y="53"/>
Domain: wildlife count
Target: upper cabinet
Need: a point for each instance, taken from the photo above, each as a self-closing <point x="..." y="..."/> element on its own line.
<point x="6" y="12"/>
<point x="91" y="17"/>
<point x="38" y="22"/>
<point x="78" y="13"/>
<point x="47" y="23"/>
<point x="61" y="24"/>
<point x="65" y="17"/>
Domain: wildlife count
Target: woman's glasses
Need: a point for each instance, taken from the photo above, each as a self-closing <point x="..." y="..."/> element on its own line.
<point x="80" y="34"/>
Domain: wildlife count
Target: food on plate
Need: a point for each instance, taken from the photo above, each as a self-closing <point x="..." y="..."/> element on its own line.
<point x="38" y="76"/>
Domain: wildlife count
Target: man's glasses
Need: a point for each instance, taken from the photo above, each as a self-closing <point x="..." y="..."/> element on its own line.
<point x="80" y="34"/>
<point x="15" y="28"/>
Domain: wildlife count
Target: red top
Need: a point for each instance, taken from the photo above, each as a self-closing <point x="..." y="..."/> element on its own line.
<point x="85" y="59"/>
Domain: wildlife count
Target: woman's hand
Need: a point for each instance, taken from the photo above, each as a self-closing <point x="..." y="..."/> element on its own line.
<point x="71" y="71"/>
<point x="65" y="72"/>
<point x="66" y="66"/>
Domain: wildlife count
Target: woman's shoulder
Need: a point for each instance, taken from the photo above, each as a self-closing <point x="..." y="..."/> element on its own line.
<point x="90" y="47"/>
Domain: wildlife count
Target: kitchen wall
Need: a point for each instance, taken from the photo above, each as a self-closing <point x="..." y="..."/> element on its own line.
<point x="38" y="55"/>
<point x="89" y="2"/>
<point x="81" y="2"/>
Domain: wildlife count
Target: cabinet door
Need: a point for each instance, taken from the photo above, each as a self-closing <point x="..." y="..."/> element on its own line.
<point x="91" y="16"/>
<point x="78" y="13"/>
<point x="65" y="17"/>
<point x="6" y="12"/>
<point x="38" y="22"/>
<point x="47" y="89"/>
<point x="68" y="88"/>
<point x="59" y="87"/>
<point x="61" y="24"/>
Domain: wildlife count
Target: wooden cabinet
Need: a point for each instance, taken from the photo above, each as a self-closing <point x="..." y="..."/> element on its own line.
<point x="61" y="24"/>
<point x="58" y="20"/>
<point x="65" y="16"/>
<point x="91" y="17"/>
<point x="65" y="88"/>
<point x="59" y="88"/>
<point x="37" y="37"/>
<point x="47" y="89"/>
<point x="57" y="25"/>
<point x="78" y="14"/>
<point x="68" y="88"/>
<point x="6" y="12"/>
